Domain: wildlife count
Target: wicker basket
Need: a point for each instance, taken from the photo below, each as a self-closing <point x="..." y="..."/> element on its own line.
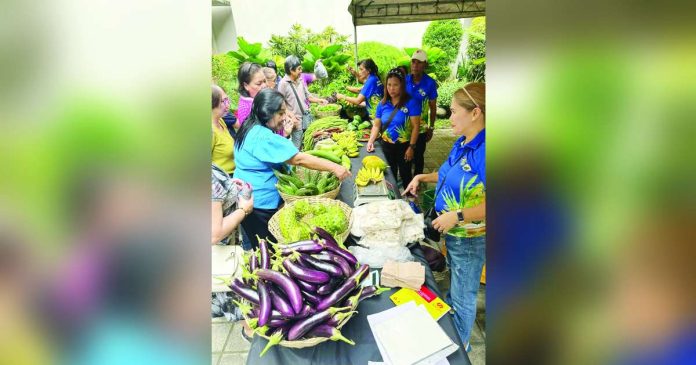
<point x="287" y="198"/>
<point x="329" y="113"/>
<point x="274" y="227"/>
<point x="299" y="344"/>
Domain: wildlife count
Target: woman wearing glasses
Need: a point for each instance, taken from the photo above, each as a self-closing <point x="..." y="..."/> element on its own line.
<point x="397" y="121"/>
<point x="223" y="143"/>
<point x="460" y="202"/>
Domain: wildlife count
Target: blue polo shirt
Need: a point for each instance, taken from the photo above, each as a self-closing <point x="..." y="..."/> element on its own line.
<point x="262" y="152"/>
<point x="399" y="130"/>
<point x="424" y="91"/>
<point x="461" y="180"/>
<point x="372" y="90"/>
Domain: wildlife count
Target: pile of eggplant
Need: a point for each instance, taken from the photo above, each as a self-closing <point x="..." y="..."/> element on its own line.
<point x="307" y="289"/>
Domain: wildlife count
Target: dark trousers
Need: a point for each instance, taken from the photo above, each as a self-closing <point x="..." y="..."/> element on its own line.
<point x="395" y="158"/>
<point x="419" y="155"/>
<point x="255" y="224"/>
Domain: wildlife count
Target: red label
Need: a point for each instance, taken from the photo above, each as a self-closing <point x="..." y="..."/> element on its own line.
<point x="428" y="295"/>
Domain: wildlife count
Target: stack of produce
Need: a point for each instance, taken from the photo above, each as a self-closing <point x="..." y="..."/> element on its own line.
<point x="361" y="128"/>
<point x="372" y="171"/>
<point x="326" y="110"/>
<point x="297" y="221"/>
<point x="306" y="290"/>
<point x="322" y="129"/>
<point x="339" y="149"/>
<point x="308" y="184"/>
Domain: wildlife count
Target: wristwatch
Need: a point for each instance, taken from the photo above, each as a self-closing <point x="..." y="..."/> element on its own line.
<point x="413" y="146"/>
<point x="460" y="216"/>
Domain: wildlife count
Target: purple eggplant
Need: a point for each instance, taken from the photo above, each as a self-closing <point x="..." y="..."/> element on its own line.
<point x="326" y="236"/>
<point x="277" y="322"/>
<point x="305" y="274"/>
<point x="332" y="333"/>
<point x="244" y="291"/>
<point x="306" y="286"/>
<point x="343" y="253"/>
<point x="310" y="247"/>
<point x="311" y="297"/>
<point x="337" y="318"/>
<point x="371" y="291"/>
<point x="280" y="303"/>
<point x="346" y="288"/>
<point x="354" y="298"/>
<point x="264" y="255"/>
<point x="253" y="263"/>
<point x="287" y="285"/>
<point x="301" y="327"/>
<point x="305" y="312"/>
<point x="264" y="303"/>
<point x="346" y="268"/>
<point x="324" y="266"/>
<point x="327" y="288"/>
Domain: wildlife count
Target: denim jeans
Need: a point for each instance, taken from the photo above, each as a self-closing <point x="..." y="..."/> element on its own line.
<point x="466" y="257"/>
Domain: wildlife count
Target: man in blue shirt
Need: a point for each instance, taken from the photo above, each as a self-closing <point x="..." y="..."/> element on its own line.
<point x="423" y="88"/>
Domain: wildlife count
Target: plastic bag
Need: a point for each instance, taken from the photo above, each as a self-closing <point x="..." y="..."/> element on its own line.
<point x="375" y="257"/>
<point x="320" y="71"/>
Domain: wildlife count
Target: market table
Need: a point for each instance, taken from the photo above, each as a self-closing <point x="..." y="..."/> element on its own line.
<point x="357" y="328"/>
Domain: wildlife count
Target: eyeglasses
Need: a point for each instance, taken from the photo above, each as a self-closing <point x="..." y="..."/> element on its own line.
<point x="226" y="101"/>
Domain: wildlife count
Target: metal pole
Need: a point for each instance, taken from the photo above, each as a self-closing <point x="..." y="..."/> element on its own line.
<point x="355" y="35"/>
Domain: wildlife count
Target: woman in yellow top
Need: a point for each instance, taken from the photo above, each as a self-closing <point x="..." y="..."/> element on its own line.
<point x="223" y="143"/>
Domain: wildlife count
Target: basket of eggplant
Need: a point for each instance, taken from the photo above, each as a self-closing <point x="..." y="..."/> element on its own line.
<point x="301" y="294"/>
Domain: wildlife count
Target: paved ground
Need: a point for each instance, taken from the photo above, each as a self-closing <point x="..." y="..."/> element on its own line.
<point x="229" y="348"/>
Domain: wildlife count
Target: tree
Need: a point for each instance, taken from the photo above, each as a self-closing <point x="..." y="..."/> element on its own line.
<point x="447" y="36"/>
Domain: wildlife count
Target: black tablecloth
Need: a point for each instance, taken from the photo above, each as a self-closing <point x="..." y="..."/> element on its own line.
<point x="347" y="192"/>
<point x="357" y="329"/>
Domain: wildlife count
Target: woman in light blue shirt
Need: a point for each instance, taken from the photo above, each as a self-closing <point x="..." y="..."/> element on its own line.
<point x="259" y="150"/>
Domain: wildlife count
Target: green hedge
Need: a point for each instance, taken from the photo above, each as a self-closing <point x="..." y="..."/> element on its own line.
<point x="224" y="74"/>
<point x="446" y="35"/>
<point x="446" y="91"/>
<point x="385" y="56"/>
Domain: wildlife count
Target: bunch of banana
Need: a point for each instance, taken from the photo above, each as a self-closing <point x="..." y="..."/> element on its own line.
<point x="348" y="141"/>
<point x="366" y="176"/>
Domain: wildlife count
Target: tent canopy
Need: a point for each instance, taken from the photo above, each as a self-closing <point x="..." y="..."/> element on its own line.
<point x="367" y="12"/>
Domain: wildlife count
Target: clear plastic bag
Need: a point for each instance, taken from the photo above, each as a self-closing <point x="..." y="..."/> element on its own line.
<point x="377" y="256"/>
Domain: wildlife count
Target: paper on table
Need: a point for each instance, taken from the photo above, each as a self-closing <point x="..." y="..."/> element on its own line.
<point x="413" y="338"/>
<point x="374" y="320"/>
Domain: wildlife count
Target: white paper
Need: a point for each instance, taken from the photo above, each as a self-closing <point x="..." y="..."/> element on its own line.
<point x="400" y="314"/>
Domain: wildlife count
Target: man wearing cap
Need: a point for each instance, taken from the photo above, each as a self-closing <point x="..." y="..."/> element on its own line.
<point x="422" y="87"/>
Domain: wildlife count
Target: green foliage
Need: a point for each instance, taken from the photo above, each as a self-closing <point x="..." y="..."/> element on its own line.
<point x="385" y="56"/>
<point x="295" y="43"/>
<point x="447" y="36"/>
<point x="251" y="52"/>
<point x="224" y="74"/>
<point x="332" y="60"/>
<point x="337" y="83"/>
<point x="474" y="68"/>
<point x="445" y="92"/>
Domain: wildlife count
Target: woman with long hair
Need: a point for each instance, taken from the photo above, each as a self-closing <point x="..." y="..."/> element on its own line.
<point x="258" y="151"/>
<point x="397" y="120"/>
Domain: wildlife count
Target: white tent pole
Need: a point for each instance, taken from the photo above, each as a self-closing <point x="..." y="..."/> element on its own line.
<point x="355" y="36"/>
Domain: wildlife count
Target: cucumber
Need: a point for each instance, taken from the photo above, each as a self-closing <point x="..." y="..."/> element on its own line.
<point x="325" y="155"/>
<point x="295" y="181"/>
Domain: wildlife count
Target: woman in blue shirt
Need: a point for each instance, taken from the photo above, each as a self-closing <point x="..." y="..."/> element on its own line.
<point x="259" y="150"/>
<point x="372" y="90"/>
<point x="460" y="202"/>
<point x="397" y="121"/>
